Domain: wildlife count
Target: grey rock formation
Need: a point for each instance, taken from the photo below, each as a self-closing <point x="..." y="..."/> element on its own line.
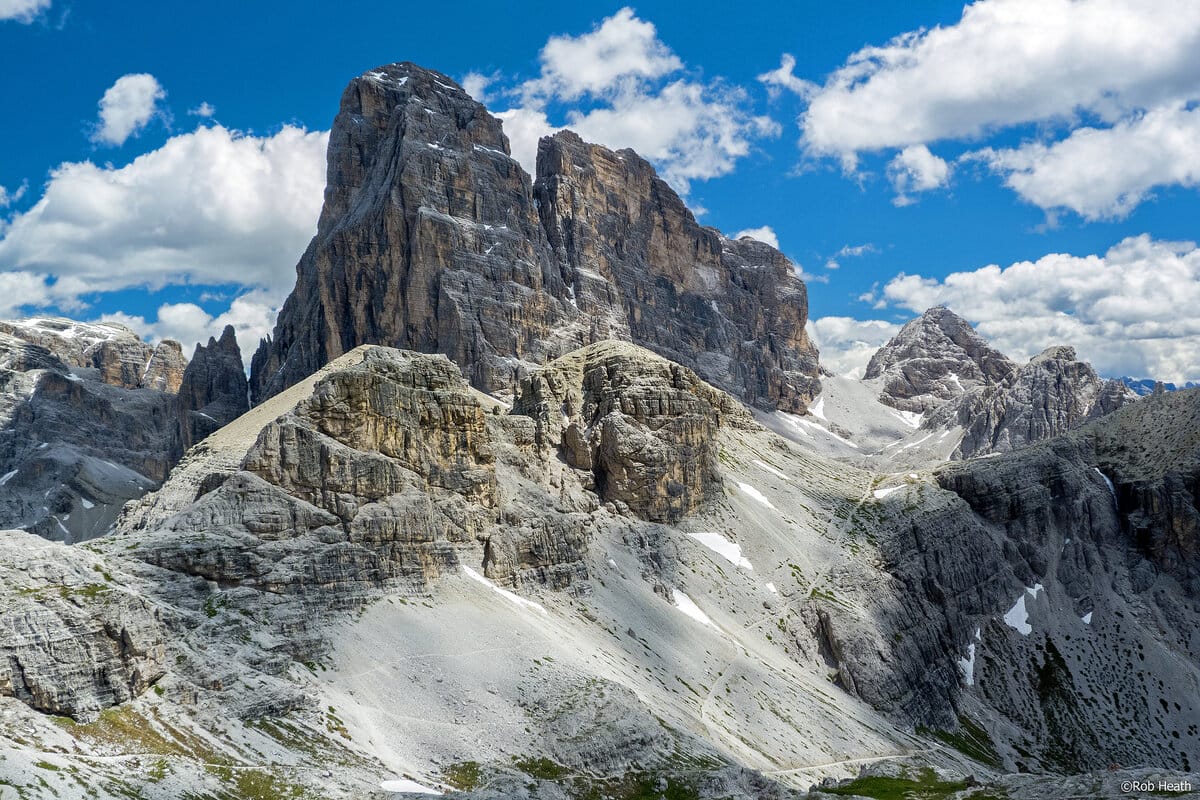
<point x="213" y="391"/>
<point x="433" y="238"/>
<point x="1043" y="606"/>
<point x="641" y="268"/>
<point x="642" y="426"/>
<point x="117" y="354"/>
<point x="935" y="358"/>
<point x="1052" y="394"/>
<point x="73" y="638"/>
<point x="74" y="446"/>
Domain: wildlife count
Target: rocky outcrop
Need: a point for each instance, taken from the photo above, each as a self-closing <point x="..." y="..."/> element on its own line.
<point x="213" y="391"/>
<point x="644" y="427"/>
<point x="1052" y="394"/>
<point x="1041" y="604"/>
<point x="73" y="447"/>
<point x="641" y="268"/>
<point x="117" y="354"/>
<point x="935" y="358"/>
<point x="73" y="639"/>
<point x="433" y="238"/>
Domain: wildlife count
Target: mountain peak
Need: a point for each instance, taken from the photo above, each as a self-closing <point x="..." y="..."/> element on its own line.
<point x="432" y="238"/>
<point x="933" y="359"/>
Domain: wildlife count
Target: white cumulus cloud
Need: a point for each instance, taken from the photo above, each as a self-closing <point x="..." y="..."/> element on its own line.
<point x="1104" y="173"/>
<point x="213" y="206"/>
<point x="205" y="110"/>
<point x="765" y="234"/>
<point x="847" y="344"/>
<point x="25" y="11"/>
<point x="126" y="107"/>
<point x="620" y="86"/>
<point x="1007" y="62"/>
<point x="1127" y="310"/>
<point x="620" y="49"/>
<point x="252" y="316"/>
<point x="784" y="78"/>
<point x="1109" y="86"/>
<point x="915" y="169"/>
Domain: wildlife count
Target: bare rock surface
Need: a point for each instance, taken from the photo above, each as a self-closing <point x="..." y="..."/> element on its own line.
<point x="935" y="358"/>
<point x="74" y="447"/>
<point x="1052" y="394"/>
<point x="74" y="639"/>
<point x="213" y="391"/>
<point x="434" y="239"/>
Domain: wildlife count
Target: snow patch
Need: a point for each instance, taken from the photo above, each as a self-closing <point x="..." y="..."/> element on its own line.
<point x="771" y="469"/>
<point x="771" y="588"/>
<point x="730" y="551"/>
<point x="83" y="501"/>
<point x="1017" y="617"/>
<point x="755" y="494"/>
<point x="1086" y="619"/>
<point x="882" y="493"/>
<point x="818" y="409"/>
<point x="1107" y="482"/>
<point x="405" y="785"/>
<point x="967" y="665"/>
<point x="685" y="604"/>
<point x="807" y="424"/>
<point x="507" y="595"/>
<point x="6" y="477"/>
<point x="910" y="418"/>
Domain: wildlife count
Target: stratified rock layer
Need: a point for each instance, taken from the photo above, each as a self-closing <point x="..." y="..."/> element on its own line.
<point x="432" y="238"/>
<point x="76" y="441"/>
<point x="644" y="427"/>
<point x="641" y="268"/>
<point x="1052" y="394"/>
<point x="73" y="639"/>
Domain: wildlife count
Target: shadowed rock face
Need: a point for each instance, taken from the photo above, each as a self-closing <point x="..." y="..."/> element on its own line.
<point x="433" y="238"/>
<point x="642" y="268"/>
<point x="213" y="391"/>
<point x="73" y="446"/>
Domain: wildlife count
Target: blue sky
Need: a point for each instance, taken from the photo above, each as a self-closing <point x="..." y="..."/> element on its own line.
<point x="1031" y="163"/>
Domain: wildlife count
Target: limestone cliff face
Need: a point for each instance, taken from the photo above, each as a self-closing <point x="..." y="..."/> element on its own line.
<point x="641" y="268"/>
<point x="433" y="238"/>
<point x="1052" y="394"/>
<point x="428" y="240"/>
<point x="643" y="427"/>
<point x="73" y="639"/>
<point x="935" y="358"/>
<point x="73" y="446"/>
<point x="1048" y="595"/>
<point x="213" y="391"/>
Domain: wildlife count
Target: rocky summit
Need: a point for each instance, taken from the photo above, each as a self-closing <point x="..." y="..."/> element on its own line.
<point x="935" y="358"/>
<point x="432" y="238"/>
<point x="213" y="391"/>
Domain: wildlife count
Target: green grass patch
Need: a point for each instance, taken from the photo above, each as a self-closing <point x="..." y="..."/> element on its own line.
<point x="924" y="786"/>
<point x="972" y="741"/>
<point x="543" y="769"/>
<point x="464" y="776"/>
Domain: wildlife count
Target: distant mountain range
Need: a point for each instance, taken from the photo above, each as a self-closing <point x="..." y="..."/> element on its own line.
<point x="1145" y="386"/>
